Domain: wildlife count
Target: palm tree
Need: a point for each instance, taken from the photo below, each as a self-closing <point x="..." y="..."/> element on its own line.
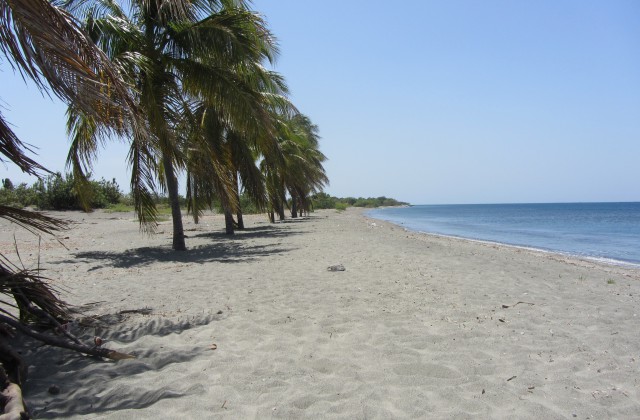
<point x="221" y="158"/>
<point x="307" y="175"/>
<point x="46" y="45"/>
<point x="222" y="154"/>
<point x="175" y="52"/>
<point x="53" y="52"/>
<point x="300" y="173"/>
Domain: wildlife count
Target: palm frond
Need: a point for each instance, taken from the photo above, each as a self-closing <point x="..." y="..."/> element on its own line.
<point x="84" y="148"/>
<point x="29" y="287"/>
<point x="16" y="151"/>
<point x="45" y="44"/>
<point x="32" y="221"/>
<point x="143" y="168"/>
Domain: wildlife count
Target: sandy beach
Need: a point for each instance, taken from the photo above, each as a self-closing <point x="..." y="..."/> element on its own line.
<point x="255" y="326"/>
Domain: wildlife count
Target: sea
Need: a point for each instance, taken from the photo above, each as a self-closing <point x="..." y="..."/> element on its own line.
<point x="607" y="232"/>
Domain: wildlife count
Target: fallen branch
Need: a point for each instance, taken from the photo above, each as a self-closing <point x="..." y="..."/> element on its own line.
<point x="143" y="311"/>
<point x="61" y="342"/>
<point x="511" y="306"/>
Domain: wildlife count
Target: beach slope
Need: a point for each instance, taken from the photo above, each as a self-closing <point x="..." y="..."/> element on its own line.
<point x="256" y="326"/>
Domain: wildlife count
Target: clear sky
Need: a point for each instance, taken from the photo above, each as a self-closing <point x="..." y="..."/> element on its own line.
<point x="439" y="101"/>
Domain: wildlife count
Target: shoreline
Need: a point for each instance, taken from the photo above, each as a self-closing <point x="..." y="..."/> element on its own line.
<point x="610" y="265"/>
<point x="416" y="326"/>
<point x="606" y="261"/>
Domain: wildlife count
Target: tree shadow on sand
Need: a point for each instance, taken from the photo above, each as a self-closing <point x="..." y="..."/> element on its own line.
<point x="256" y="232"/>
<point x="224" y="249"/>
<point x="224" y="253"/>
<point x="89" y="386"/>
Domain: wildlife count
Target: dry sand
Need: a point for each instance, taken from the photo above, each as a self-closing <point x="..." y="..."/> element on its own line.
<point x="415" y="327"/>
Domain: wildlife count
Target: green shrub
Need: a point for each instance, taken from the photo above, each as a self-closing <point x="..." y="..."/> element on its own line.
<point x="58" y="193"/>
<point x="341" y="206"/>
<point x="119" y="208"/>
<point x="109" y="191"/>
<point x="25" y="195"/>
<point x="323" y="200"/>
<point x="247" y="205"/>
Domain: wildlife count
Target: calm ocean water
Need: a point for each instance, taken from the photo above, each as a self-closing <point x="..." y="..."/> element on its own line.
<point x="603" y="231"/>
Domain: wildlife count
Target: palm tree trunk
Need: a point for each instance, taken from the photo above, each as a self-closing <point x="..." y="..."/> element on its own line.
<point x="272" y="217"/>
<point x="294" y="207"/>
<point x="194" y="198"/>
<point x="240" y="223"/>
<point x="228" y="222"/>
<point x="280" y="210"/>
<point x="174" y="201"/>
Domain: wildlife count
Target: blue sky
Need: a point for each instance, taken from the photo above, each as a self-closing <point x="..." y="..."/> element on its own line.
<point x="439" y="102"/>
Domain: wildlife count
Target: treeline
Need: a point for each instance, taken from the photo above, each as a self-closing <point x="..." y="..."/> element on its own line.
<point x="56" y="192"/>
<point x="325" y="201"/>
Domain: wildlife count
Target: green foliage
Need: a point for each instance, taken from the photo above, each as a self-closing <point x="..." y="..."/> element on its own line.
<point x="323" y="200"/>
<point x="58" y="193"/>
<point x="163" y="201"/>
<point x="247" y="205"/>
<point x="119" y="208"/>
<point x="109" y="191"/>
<point x="341" y="206"/>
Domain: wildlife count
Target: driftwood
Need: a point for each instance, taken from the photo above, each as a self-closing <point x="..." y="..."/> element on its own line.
<point x="14" y="367"/>
<point x="13" y="403"/>
<point x="11" y="398"/>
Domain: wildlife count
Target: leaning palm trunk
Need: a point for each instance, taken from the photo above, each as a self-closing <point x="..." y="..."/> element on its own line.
<point x="240" y="222"/>
<point x="174" y="202"/>
<point x="281" y="211"/>
<point x="229" y="223"/>
<point x="294" y="204"/>
<point x="236" y="190"/>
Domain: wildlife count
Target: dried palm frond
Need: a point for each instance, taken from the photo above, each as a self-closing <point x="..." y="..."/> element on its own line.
<point x="37" y="300"/>
<point x="29" y="289"/>
<point x="32" y="220"/>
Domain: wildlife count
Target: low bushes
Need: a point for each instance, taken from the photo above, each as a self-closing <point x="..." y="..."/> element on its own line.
<point x="58" y="193"/>
<point x="325" y="201"/>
